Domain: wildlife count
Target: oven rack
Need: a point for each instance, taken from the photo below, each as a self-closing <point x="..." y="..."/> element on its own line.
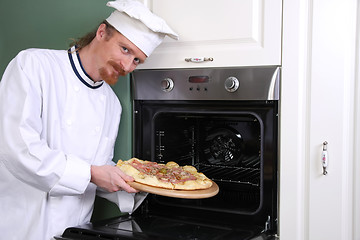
<point x="231" y="174"/>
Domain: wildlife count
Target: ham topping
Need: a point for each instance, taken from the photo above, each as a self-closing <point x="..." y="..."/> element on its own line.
<point x="163" y="173"/>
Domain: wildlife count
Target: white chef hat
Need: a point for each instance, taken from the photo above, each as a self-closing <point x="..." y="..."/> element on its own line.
<point x="138" y="24"/>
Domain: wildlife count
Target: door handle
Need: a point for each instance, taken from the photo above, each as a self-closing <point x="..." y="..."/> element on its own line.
<point x="199" y="59"/>
<point x="325" y="158"/>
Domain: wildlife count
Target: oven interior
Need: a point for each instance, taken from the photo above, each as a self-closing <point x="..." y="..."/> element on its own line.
<point x="220" y="149"/>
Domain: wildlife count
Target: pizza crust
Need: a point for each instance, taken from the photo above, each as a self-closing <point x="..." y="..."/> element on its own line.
<point x="201" y="182"/>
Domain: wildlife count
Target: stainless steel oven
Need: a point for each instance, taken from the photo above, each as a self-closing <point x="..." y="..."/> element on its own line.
<point x="223" y="121"/>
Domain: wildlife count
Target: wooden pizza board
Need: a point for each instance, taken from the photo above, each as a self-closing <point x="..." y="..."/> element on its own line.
<point x="190" y="194"/>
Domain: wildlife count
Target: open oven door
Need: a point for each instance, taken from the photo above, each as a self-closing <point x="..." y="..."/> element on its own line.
<point x="163" y="228"/>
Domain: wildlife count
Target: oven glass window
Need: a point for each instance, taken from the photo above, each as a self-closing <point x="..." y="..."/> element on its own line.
<point x="226" y="148"/>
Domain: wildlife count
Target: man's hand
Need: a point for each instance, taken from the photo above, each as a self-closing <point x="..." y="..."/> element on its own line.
<point x="111" y="178"/>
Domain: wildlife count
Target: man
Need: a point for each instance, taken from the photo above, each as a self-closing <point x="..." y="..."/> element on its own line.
<point x="59" y="121"/>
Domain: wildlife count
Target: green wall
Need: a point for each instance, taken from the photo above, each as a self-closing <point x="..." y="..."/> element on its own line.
<point x="52" y="24"/>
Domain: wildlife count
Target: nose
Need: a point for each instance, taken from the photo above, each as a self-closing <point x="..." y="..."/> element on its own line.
<point x="127" y="65"/>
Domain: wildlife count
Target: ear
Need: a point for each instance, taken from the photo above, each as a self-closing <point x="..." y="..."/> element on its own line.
<point x="100" y="33"/>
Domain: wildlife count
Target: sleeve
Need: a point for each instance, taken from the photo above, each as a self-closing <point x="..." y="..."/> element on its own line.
<point x="24" y="153"/>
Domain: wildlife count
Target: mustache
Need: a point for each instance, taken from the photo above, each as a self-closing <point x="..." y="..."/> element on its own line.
<point x="117" y="67"/>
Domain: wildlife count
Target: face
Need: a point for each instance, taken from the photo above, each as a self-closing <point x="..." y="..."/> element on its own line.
<point x="116" y="55"/>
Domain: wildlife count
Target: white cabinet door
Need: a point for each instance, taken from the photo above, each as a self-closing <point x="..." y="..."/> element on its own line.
<point x="331" y="113"/>
<point x="319" y="103"/>
<point x="231" y="32"/>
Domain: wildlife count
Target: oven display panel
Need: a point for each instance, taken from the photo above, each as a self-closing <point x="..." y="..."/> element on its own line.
<point x="199" y="79"/>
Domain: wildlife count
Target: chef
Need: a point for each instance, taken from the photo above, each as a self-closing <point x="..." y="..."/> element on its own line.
<point x="59" y="120"/>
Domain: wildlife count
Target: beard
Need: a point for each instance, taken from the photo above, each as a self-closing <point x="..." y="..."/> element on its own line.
<point x="110" y="76"/>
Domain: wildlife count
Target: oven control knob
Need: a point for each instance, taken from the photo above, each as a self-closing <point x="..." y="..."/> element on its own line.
<point x="232" y="84"/>
<point x="167" y="85"/>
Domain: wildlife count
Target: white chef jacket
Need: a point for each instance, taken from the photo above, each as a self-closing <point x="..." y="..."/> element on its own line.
<point x="54" y="123"/>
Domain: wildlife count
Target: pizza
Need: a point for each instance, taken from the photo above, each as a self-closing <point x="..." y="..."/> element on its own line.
<point x="168" y="176"/>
